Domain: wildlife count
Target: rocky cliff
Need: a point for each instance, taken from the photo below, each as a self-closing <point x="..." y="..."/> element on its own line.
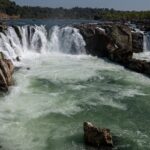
<point x="115" y="42"/>
<point x="6" y="71"/>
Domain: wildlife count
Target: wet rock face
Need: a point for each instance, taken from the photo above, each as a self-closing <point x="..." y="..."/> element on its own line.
<point x="96" y="40"/>
<point x="111" y="41"/>
<point x="97" y="137"/>
<point x="6" y="71"/>
<point x="120" y="35"/>
<point x="117" y="43"/>
<point x="140" y="66"/>
<point x="137" y="42"/>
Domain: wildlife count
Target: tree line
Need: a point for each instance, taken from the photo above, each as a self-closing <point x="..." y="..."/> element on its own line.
<point x="10" y="8"/>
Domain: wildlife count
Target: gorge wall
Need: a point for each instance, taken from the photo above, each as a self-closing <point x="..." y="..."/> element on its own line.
<point x="113" y="41"/>
<point x="6" y="71"/>
<point x="117" y="43"/>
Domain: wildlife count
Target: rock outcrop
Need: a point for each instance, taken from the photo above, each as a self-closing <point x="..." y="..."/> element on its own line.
<point x="95" y="38"/>
<point x="6" y="71"/>
<point x="111" y="41"/>
<point x="97" y="137"/>
<point x="144" y="25"/>
<point x="120" y="35"/>
<point x="137" y="42"/>
<point x="115" y="42"/>
<point x="140" y="66"/>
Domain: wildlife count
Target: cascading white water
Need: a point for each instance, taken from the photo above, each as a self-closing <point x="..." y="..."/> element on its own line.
<point x="145" y="55"/>
<point x="146" y="42"/>
<point x="18" y="41"/>
<point x="46" y="107"/>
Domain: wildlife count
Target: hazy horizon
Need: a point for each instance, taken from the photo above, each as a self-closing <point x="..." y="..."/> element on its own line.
<point x="115" y="4"/>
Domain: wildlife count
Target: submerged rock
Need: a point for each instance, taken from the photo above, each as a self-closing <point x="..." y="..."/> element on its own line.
<point x="140" y="66"/>
<point x="18" y="58"/>
<point x="97" y="137"/>
<point x="120" y="35"/>
<point x="28" y="68"/>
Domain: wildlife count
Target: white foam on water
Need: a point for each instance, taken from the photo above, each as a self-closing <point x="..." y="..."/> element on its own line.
<point x="145" y="55"/>
<point x="38" y="39"/>
<point x="57" y="83"/>
<point x="142" y="56"/>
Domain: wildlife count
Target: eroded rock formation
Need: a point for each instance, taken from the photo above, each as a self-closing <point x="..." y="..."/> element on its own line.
<point x="115" y="42"/>
<point x="97" y="137"/>
<point x="6" y="71"/>
<point x="137" y="42"/>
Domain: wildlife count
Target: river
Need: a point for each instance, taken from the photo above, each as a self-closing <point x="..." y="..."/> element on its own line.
<point x="59" y="87"/>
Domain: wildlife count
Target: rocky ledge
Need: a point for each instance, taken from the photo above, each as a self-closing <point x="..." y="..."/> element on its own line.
<point x="6" y="71"/>
<point x="116" y="42"/>
<point x="100" y="138"/>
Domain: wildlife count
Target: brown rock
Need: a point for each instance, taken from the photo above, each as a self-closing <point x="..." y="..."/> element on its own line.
<point x="97" y="137"/>
<point x="140" y="66"/>
<point x="96" y="40"/>
<point x="6" y="71"/>
<point x="120" y="35"/>
<point x="115" y="42"/>
<point x="3" y="82"/>
<point x="137" y="42"/>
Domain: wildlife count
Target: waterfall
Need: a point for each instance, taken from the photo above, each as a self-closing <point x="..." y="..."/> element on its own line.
<point x="146" y="42"/>
<point x="17" y="41"/>
<point x="145" y="55"/>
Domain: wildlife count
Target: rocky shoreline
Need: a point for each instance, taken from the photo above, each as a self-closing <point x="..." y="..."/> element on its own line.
<point x="115" y="42"/>
<point x="6" y="71"/>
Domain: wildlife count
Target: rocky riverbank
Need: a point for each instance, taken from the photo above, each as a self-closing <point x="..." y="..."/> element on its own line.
<point x="117" y="43"/>
<point x="6" y="71"/>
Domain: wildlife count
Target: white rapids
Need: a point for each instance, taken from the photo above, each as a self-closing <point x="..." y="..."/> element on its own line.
<point x="145" y="55"/>
<point x="50" y="100"/>
<point x="19" y="41"/>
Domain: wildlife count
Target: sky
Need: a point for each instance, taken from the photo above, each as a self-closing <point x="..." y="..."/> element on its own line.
<point x="116" y="4"/>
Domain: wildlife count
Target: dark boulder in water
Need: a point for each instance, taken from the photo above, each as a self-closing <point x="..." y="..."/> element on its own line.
<point x="18" y="58"/>
<point x="111" y="41"/>
<point x="137" y="42"/>
<point x="96" y="40"/>
<point x="28" y="68"/>
<point x="6" y="71"/>
<point x="97" y="137"/>
<point x="140" y="66"/>
<point x="115" y="42"/>
<point x="120" y="35"/>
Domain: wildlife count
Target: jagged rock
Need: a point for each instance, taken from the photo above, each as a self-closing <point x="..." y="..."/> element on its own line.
<point x="113" y="42"/>
<point x="96" y="40"/>
<point x="120" y="35"/>
<point x="6" y="71"/>
<point x="137" y="42"/>
<point x="97" y="137"/>
<point x="3" y="83"/>
<point x="18" y="58"/>
<point x="121" y="56"/>
<point x="140" y="66"/>
<point x="28" y="68"/>
<point x="3" y="26"/>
